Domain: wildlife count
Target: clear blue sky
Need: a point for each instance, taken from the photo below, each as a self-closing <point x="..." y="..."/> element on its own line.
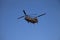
<point x="48" y="27"/>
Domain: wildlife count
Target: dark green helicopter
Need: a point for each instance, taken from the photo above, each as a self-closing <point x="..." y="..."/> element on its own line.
<point x="30" y="19"/>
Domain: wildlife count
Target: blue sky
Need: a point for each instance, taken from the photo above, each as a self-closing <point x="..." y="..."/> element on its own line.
<point x="48" y="27"/>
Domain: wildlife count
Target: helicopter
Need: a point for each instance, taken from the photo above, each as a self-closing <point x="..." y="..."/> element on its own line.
<point x="30" y="19"/>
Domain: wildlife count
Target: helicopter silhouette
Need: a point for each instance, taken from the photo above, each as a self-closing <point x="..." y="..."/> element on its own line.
<point x="30" y="19"/>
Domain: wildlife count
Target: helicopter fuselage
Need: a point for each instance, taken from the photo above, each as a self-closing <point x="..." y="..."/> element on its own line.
<point x="32" y="20"/>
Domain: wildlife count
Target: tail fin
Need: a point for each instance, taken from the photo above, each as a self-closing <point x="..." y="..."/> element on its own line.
<point x="24" y="12"/>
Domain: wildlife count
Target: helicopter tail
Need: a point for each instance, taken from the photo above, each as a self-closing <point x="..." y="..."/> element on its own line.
<point x="24" y="12"/>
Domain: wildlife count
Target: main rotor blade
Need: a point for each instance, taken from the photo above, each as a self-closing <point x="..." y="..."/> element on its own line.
<point x="24" y="12"/>
<point x="20" y="17"/>
<point x="41" y="15"/>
